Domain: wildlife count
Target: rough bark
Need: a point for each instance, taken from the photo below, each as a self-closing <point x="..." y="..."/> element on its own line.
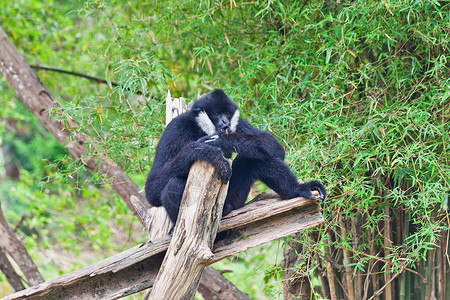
<point x="38" y="99"/>
<point x="195" y="230"/>
<point x="11" y="245"/>
<point x="215" y="286"/>
<point x="135" y="269"/>
<point x="295" y="285"/>
<point x="13" y="278"/>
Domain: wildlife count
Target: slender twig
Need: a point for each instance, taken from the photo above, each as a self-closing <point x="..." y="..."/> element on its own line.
<point x="19" y="223"/>
<point x="59" y="70"/>
<point x="424" y="280"/>
<point x="78" y="74"/>
<point x="377" y="293"/>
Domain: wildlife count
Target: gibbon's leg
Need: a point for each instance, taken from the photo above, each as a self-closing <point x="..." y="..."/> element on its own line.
<point x="171" y="197"/>
<point x="241" y="181"/>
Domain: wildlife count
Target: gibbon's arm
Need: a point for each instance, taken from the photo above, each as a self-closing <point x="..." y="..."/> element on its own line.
<point x="180" y="165"/>
<point x="248" y="142"/>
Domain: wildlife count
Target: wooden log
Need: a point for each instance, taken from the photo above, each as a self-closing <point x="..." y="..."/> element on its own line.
<point x="135" y="269"/>
<point x="195" y="230"/>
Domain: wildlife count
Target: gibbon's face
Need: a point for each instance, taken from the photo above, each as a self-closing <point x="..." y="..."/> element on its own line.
<point x="216" y="113"/>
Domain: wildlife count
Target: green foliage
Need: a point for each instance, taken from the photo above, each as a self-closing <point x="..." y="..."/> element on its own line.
<point x="357" y="91"/>
<point x="256" y="271"/>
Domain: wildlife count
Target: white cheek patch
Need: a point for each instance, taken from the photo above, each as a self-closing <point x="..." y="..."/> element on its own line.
<point x="205" y="123"/>
<point x="234" y="121"/>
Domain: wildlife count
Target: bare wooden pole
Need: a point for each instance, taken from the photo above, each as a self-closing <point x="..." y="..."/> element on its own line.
<point x="190" y="248"/>
<point x="157" y="222"/>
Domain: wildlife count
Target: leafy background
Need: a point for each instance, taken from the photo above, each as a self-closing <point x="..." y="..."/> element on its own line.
<point x="356" y="91"/>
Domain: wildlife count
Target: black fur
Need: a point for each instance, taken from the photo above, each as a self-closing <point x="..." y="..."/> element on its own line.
<point x="259" y="156"/>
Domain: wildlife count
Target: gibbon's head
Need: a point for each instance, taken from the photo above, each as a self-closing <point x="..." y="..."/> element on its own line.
<point x="216" y="112"/>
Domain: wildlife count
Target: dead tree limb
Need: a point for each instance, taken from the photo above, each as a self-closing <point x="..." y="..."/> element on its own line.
<point x="190" y="248"/>
<point x="11" y="245"/>
<point x="38" y="99"/>
<point x="215" y="286"/>
<point x="135" y="269"/>
<point x="13" y="278"/>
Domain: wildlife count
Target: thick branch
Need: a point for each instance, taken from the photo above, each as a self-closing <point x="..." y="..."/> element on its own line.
<point x="190" y="248"/>
<point x="39" y="100"/>
<point x="13" y="278"/>
<point x="215" y="286"/>
<point x="11" y="245"/>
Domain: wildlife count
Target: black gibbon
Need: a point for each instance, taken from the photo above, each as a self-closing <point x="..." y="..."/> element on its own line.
<point x="211" y="131"/>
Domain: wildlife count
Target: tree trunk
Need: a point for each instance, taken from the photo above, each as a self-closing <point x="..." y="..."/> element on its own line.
<point x="295" y="285"/>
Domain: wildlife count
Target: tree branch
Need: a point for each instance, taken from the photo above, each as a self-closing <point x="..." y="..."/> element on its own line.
<point x="74" y="73"/>
<point x="78" y="74"/>
<point x="39" y="100"/>
<point x="11" y="245"/>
